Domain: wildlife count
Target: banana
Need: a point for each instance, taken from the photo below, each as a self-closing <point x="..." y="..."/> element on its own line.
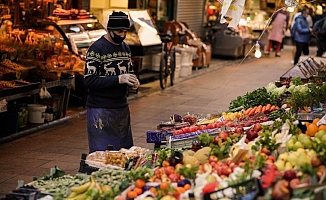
<point x="72" y="194"/>
<point x="81" y="196"/>
<point x="80" y="189"/>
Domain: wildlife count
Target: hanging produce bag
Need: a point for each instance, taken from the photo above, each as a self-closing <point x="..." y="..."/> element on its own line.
<point x="232" y="9"/>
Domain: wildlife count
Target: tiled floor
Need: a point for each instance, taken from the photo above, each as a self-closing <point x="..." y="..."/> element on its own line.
<point x="208" y="90"/>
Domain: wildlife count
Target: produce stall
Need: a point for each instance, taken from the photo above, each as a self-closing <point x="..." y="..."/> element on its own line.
<point x="260" y="148"/>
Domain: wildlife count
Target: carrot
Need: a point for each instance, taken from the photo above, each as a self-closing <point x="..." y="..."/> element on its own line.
<point x="259" y="108"/>
<point x="268" y="107"/>
<point x="273" y="108"/>
<point x="246" y="112"/>
<point x="263" y="109"/>
<point x="252" y="111"/>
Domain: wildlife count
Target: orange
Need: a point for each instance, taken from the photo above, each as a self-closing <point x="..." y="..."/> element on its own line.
<point x="307" y="124"/>
<point x="140" y="183"/>
<point x="312" y="130"/>
<point x="164" y="186"/>
<point x="322" y="127"/>
<point x="153" y="190"/>
<point x="132" y="194"/>
<point x="138" y="190"/>
<point x="315" y="120"/>
<point x="187" y="186"/>
<point x="180" y="190"/>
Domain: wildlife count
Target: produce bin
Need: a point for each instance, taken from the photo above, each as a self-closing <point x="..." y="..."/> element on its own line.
<point x="249" y="190"/>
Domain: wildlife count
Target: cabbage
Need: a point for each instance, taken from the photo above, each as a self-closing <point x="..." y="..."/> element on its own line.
<point x="270" y="87"/>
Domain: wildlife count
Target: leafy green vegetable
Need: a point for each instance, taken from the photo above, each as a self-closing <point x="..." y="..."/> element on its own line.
<point x="257" y="97"/>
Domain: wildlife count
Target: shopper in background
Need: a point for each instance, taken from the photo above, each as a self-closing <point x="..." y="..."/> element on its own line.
<point x="301" y="34"/>
<point x="319" y="30"/>
<point x="107" y="78"/>
<point x="279" y="22"/>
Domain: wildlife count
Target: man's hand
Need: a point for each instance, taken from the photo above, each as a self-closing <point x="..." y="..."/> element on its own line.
<point x="136" y="85"/>
<point x="129" y="79"/>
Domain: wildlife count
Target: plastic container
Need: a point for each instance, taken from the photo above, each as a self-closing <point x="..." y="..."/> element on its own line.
<point x="36" y="113"/>
<point x="177" y="65"/>
<point x="156" y="62"/>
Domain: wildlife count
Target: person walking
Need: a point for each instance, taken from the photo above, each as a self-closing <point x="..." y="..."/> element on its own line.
<point x="319" y="30"/>
<point x="107" y="78"/>
<point x="279" y="22"/>
<point x="301" y="35"/>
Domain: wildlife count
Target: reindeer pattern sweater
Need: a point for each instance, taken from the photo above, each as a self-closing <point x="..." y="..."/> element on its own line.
<point x="104" y="63"/>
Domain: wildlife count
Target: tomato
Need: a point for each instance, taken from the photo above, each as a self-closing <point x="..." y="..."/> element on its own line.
<point x="185" y="129"/>
<point x="193" y="128"/>
<point x="218" y="124"/>
<point x="177" y="132"/>
<point x="202" y="127"/>
<point x="210" y="126"/>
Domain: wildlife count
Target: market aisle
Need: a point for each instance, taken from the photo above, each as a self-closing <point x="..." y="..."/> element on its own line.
<point x="208" y="91"/>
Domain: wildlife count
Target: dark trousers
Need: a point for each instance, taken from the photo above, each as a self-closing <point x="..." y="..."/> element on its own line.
<point x="321" y="46"/>
<point x="108" y="126"/>
<point x="300" y="48"/>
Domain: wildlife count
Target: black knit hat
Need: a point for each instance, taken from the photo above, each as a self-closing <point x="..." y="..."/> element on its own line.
<point x="117" y="21"/>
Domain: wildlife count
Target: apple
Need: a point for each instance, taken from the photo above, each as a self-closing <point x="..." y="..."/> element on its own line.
<point x="212" y="158"/>
<point x="294" y="183"/>
<point x="315" y="161"/>
<point x="289" y="175"/>
<point x="239" y="130"/>
<point x="226" y="171"/>
<point x="257" y="127"/>
<point x="165" y="163"/>
<point x="272" y="158"/>
<point x="228" y="161"/>
<point x="321" y="171"/>
<point x="207" y="167"/>
<point x="251" y="134"/>
<point x="223" y="135"/>
<point x="265" y="151"/>
<point x="216" y="140"/>
<point x="174" y="177"/>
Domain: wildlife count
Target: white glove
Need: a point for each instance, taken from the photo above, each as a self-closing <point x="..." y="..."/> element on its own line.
<point x="129" y="79"/>
<point x="136" y="85"/>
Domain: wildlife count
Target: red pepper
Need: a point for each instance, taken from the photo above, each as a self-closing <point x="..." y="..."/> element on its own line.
<point x="210" y="187"/>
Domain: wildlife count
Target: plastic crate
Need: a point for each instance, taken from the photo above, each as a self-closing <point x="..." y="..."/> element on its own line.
<point x="185" y="140"/>
<point x="157" y="136"/>
<point x="84" y="167"/>
<point x="248" y="190"/>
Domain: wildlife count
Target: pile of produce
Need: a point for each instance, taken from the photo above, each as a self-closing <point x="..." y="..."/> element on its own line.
<point x="257" y="148"/>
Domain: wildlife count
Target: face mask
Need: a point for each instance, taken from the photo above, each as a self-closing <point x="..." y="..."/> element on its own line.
<point x="116" y="38"/>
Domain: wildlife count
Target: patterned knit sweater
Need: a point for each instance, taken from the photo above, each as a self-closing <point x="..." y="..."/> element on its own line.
<point x="104" y="63"/>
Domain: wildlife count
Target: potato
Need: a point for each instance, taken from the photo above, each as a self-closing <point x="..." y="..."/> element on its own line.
<point x="202" y="155"/>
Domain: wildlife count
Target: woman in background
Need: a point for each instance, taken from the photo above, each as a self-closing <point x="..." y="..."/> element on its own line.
<point x="280" y="21"/>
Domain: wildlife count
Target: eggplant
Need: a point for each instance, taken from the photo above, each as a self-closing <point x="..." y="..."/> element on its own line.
<point x="176" y="118"/>
<point x="175" y="158"/>
<point x="183" y="182"/>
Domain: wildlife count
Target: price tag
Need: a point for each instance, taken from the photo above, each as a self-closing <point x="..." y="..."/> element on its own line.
<point x="322" y="121"/>
<point x="18" y="75"/>
<point x="52" y="171"/>
<point x="20" y="183"/>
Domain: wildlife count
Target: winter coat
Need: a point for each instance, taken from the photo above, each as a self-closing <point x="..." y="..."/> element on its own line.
<point x="279" y="24"/>
<point x="301" y="31"/>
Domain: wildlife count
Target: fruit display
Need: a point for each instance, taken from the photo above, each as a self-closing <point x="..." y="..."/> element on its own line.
<point x="253" y="150"/>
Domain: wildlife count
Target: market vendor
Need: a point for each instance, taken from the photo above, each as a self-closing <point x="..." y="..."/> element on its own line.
<point x="107" y="77"/>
